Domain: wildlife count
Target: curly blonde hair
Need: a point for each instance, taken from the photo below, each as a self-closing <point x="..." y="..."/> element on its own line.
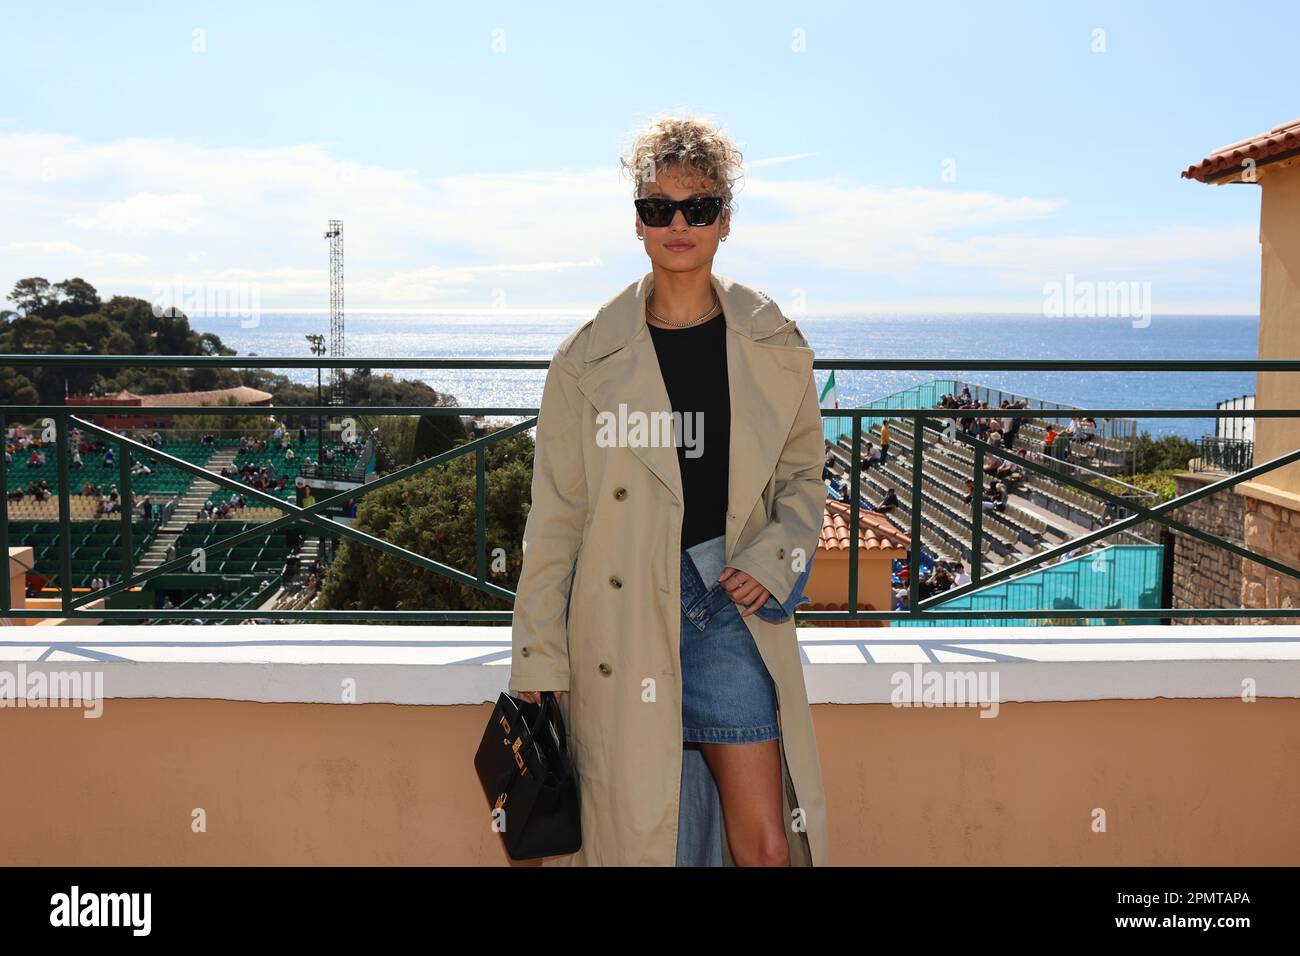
<point x="696" y="145"/>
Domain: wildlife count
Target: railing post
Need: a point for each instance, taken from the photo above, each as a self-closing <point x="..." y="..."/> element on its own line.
<point x="65" y="509"/>
<point x="914" y="554"/>
<point x="855" y="514"/>
<point x="977" y="520"/>
<point x="480" y="508"/>
<point x="6" y="599"/>
<point x="126" y="502"/>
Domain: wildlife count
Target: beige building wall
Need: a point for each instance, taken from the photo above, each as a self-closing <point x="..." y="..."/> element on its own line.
<point x="1207" y="782"/>
<point x="20" y="559"/>
<point x="1279" y="319"/>
<point x="829" y="581"/>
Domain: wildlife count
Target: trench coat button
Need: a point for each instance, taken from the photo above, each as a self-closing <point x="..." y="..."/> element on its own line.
<point x="620" y="493"/>
<point x="780" y="552"/>
<point x="605" y="668"/>
<point x="523" y="651"/>
<point x="614" y="581"/>
<point x="730" y="516"/>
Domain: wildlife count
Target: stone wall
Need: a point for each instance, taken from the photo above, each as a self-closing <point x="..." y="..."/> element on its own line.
<point x="1206" y="575"/>
<point x="1273" y="531"/>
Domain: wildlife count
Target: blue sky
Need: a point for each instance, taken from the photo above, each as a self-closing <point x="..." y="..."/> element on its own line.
<point x="472" y="151"/>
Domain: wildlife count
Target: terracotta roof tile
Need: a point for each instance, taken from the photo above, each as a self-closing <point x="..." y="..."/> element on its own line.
<point x="243" y="394"/>
<point x="842" y="606"/>
<point x="1281" y="140"/>
<point x="875" y="532"/>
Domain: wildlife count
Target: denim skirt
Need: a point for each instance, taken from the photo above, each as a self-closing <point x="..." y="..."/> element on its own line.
<point x="728" y="696"/>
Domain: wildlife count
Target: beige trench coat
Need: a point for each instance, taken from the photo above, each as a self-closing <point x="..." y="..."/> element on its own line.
<point x="597" y="612"/>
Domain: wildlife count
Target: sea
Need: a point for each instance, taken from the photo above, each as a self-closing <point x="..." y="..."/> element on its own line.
<point x="940" y="337"/>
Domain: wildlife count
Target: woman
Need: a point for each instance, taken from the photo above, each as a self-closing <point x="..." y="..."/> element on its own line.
<point x="676" y="507"/>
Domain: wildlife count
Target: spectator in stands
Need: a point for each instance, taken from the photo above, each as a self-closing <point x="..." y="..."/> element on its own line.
<point x="350" y="509"/>
<point x="899" y="599"/>
<point x="839" y="489"/>
<point x="884" y="442"/>
<point x="146" y="509"/>
<point x="36" y="460"/>
<point x="288" y="455"/>
<point x="1000" y="495"/>
<point x="108" y="458"/>
<point x="302" y="434"/>
<point x="989" y="500"/>
<point x="308" y="499"/>
<point x="827" y="471"/>
<point x="1010" y="426"/>
<point x="76" y="461"/>
<point x="871" y="456"/>
<point x="960" y="578"/>
<point x="140" y="468"/>
<point x="888" y="503"/>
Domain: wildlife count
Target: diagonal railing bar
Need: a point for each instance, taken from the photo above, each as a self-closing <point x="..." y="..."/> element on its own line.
<point x="1140" y="514"/>
<point x="308" y="513"/>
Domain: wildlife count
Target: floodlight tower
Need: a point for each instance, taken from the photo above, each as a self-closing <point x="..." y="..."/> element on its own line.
<point x="334" y="233"/>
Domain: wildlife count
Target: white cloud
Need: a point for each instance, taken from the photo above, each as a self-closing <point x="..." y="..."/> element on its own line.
<point x="55" y="248"/>
<point x="544" y="238"/>
<point x="145" y="214"/>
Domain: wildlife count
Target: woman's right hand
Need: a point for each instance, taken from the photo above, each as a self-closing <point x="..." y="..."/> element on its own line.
<point x="535" y="696"/>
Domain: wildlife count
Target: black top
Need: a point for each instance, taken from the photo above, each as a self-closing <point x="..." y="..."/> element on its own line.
<point x="693" y="362"/>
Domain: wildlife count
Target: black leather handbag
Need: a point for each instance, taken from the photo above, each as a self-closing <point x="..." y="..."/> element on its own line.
<point x="523" y="764"/>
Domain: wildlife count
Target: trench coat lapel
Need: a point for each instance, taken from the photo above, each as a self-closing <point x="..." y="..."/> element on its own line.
<point x="765" y="381"/>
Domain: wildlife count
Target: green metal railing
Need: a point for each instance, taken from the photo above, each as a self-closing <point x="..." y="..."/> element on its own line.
<point x="1131" y="513"/>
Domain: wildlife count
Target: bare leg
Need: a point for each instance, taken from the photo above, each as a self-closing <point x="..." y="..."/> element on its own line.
<point x="749" y="782"/>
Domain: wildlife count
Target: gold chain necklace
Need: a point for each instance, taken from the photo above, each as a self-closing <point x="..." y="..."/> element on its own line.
<point x="682" y="325"/>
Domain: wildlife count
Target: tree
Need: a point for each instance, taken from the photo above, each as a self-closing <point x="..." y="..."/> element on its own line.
<point x="79" y="297"/>
<point x="32" y="296"/>
<point x="434" y="514"/>
<point x="1162" y="454"/>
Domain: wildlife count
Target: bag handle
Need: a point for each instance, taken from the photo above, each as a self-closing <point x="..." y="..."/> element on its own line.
<point x="546" y="697"/>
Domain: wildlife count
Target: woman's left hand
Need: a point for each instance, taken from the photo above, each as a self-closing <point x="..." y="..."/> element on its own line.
<point x="744" y="590"/>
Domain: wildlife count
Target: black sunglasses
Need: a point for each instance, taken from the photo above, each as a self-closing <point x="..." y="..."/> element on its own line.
<point x="699" y="211"/>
